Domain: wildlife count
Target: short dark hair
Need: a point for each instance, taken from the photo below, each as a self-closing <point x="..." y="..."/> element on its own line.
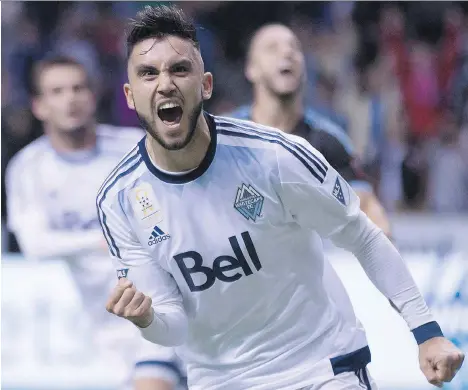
<point x="158" y="22"/>
<point x="47" y="63"/>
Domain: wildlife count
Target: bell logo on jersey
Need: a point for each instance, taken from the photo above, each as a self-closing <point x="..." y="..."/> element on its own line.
<point x="157" y="236"/>
<point x="249" y="202"/>
<point x="221" y="265"/>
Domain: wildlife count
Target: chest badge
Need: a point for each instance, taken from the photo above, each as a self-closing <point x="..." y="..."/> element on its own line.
<point x="249" y="202"/>
<point x="146" y="206"/>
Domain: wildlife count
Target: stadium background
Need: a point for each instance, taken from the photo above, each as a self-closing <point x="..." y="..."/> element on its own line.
<point x="394" y="75"/>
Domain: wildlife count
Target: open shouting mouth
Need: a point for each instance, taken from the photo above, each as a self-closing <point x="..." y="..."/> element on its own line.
<point x="170" y="113"/>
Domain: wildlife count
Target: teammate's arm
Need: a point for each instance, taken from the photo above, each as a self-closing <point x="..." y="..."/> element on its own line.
<point x="145" y="294"/>
<point x="317" y="197"/>
<point x="28" y="221"/>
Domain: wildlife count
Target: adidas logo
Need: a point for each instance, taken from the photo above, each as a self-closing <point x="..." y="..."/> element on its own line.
<point x="157" y="235"/>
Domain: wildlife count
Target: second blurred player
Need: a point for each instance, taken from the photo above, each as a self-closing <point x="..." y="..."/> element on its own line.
<point x="276" y="69"/>
<point x="51" y="186"/>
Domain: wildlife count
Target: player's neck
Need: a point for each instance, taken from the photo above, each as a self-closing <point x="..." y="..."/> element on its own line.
<point x="282" y="114"/>
<point x="184" y="159"/>
<point x="73" y="141"/>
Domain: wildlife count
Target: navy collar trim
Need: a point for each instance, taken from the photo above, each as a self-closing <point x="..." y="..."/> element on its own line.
<point x="189" y="176"/>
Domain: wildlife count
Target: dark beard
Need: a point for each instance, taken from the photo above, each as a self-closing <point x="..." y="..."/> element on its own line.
<point x="76" y="132"/>
<point x="193" y="119"/>
<point x="288" y="96"/>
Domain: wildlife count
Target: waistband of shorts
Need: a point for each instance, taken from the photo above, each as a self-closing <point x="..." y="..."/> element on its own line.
<point x="352" y="361"/>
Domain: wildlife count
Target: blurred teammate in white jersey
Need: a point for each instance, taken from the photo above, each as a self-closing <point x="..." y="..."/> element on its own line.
<point x="51" y="187"/>
<point x="216" y="226"/>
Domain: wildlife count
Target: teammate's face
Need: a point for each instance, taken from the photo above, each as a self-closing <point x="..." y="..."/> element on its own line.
<point x="167" y="87"/>
<point x="276" y="60"/>
<point x="66" y="102"/>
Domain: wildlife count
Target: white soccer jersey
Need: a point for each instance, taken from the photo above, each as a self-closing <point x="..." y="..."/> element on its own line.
<point x="235" y="246"/>
<point x="52" y="211"/>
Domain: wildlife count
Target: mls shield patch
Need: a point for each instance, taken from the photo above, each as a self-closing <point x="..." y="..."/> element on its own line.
<point x="338" y="192"/>
<point x="122" y="273"/>
<point x="249" y="202"/>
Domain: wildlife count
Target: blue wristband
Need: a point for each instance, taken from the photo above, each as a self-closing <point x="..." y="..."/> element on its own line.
<point x="427" y="331"/>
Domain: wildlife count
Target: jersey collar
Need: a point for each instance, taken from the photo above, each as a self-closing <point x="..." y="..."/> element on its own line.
<point x="192" y="175"/>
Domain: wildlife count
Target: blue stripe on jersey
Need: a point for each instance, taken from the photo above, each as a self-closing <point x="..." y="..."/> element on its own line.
<point x="317" y="168"/>
<point x="277" y="135"/>
<point x="129" y="157"/>
<point x="275" y="141"/>
<point x="160" y="363"/>
<point x="126" y="160"/>
<point x="105" y="229"/>
<point x="319" y="121"/>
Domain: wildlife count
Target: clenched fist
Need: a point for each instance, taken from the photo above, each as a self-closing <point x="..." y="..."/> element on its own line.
<point x="127" y="302"/>
<point x="439" y="360"/>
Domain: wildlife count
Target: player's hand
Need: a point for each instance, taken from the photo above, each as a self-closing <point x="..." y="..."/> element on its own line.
<point x="127" y="302"/>
<point x="439" y="360"/>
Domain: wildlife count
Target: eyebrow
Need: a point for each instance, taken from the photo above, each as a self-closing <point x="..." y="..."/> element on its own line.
<point x="184" y="61"/>
<point x="145" y="67"/>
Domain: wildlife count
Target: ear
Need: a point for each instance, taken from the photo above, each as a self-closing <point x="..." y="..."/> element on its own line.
<point x="129" y="96"/>
<point x="250" y="72"/>
<point x="38" y="108"/>
<point x="207" y="90"/>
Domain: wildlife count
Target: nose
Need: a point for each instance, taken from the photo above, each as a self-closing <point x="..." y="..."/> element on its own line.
<point x="70" y="95"/>
<point x="165" y="84"/>
<point x="288" y="52"/>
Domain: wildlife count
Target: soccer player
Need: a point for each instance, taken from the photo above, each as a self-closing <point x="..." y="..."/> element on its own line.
<point x="51" y="187"/>
<point x="276" y="68"/>
<point x="216" y="224"/>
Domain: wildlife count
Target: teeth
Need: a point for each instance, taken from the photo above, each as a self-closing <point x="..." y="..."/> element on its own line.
<point x="168" y="105"/>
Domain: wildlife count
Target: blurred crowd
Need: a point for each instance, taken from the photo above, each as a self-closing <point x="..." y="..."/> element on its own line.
<point x="393" y="75"/>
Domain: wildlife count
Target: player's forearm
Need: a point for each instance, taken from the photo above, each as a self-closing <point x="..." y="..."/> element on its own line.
<point x="388" y="272"/>
<point x="371" y="206"/>
<point x="169" y="326"/>
<point x="47" y="244"/>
